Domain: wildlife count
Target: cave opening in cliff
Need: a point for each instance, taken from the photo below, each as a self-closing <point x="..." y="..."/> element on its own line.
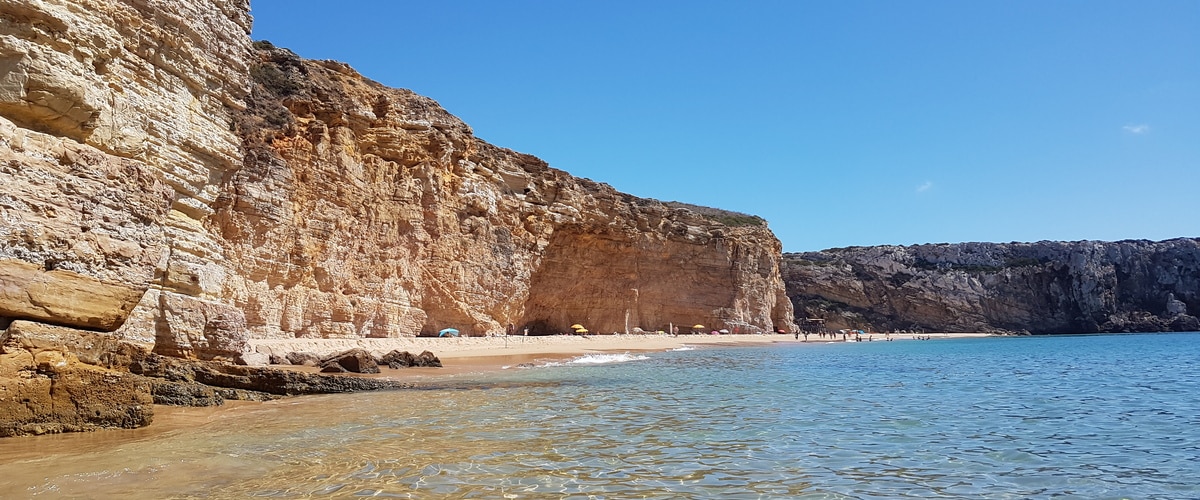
<point x="619" y="283"/>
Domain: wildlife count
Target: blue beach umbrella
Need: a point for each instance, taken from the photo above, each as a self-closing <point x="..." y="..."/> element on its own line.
<point x="448" y="331"/>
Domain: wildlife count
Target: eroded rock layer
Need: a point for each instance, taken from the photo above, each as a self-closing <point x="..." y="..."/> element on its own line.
<point x="1044" y="287"/>
<point x="115" y="129"/>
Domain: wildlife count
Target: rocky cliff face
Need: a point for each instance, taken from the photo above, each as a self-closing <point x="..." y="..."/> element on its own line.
<point x="114" y="133"/>
<point x="364" y="211"/>
<point x="1044" y="287"/>
<point x="170" y="188"/>
<point x="114" y="130"/>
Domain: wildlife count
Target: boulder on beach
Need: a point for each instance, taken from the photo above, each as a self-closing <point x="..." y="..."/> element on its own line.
<point x="355" y="360"/>
<point x="303" y="359"/>
<point x="404" y="359"/>
<point x="427" y="359"/>
<point x="398" y="359"/>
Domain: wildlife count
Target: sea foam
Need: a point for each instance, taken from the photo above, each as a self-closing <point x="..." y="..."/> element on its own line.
<point x="602" y="359"/>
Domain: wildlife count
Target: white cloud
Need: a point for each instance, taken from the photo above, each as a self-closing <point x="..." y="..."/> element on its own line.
<point x="926" y="186"/>
<point x="1138" y="129"/>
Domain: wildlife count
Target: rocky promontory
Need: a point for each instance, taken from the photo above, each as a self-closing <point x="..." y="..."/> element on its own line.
<point x="1043" y="287"/>
<point x="172" y="189"/>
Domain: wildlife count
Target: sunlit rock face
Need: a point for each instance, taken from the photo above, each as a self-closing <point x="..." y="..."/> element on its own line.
<point x="364" y="211"/>
<point x="115" y="130"/>
<point x="331" y="207"/>
<point x="1043" y="287"/>
<point x="170" y="188"/>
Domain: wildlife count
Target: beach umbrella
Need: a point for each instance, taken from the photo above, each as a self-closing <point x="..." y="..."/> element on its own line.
<point x="724" y="331"/>
<point x="581" y="330"/>
<point x="698" y="327"/>
<point x="448" y="331"/>
<point x="576" y="326"/>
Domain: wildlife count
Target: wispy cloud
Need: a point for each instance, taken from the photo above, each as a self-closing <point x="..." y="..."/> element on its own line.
<point x="925" y="186"/>
<point x="1138" y="129"/>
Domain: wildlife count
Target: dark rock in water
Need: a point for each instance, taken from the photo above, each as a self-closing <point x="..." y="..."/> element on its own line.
<point x="190" y="393"/>
<point x="427" y="358"/>
<point x="171" y="393"/>
<point x="253" y="378"/>
<point x="1134" y="321"/>
<point x="303" y="359"/>
<point x="276" y="359"/>
<point x="244" y="395"/>
<point x="354" y="360"/>
<point x="1185" y="323"/>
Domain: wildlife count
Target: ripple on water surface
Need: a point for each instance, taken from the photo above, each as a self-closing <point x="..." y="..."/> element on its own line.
<point x="996" y="417"/>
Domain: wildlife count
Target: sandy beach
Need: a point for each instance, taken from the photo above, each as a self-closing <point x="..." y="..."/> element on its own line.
<point x="472" y="354"/>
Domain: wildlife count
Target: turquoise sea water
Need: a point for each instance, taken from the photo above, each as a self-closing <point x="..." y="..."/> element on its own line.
<point x="1114" y="416"/>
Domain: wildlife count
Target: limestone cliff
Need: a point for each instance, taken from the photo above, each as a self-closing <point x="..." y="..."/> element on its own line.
<point x="1044" y="287"/>
<point x="364" y="211"/>
<point x="114" y="128"/>
<point x="170" y="188"/>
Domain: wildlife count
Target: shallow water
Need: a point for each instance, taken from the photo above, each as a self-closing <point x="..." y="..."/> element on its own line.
<point x="1085" y="417"/>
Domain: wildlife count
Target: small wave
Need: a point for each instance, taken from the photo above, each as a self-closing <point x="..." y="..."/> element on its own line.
<point x="601" y="359"/>
<point x="685" y="348"/>
<point x="526" y="365"/>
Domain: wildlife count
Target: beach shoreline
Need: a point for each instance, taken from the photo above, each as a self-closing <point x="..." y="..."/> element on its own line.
<point x="462" y="355"/>
<point x="466" y="358"/>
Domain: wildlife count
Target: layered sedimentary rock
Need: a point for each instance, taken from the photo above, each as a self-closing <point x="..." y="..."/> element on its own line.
<point x="114" y="132"/>
<point x="364" y="211"/>
<point x="1044" y="287"/>
<point x="171" y="189"/>
<point x="57" y="379"/>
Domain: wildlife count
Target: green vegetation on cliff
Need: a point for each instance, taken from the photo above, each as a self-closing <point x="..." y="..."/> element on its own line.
<point x="726" y="217"/>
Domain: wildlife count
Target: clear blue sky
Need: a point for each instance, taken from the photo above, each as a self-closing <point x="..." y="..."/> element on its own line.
<point x="840" y="122"/>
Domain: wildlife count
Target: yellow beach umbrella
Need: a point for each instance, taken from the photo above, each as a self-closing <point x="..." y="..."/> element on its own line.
<point x="576" y="326"/>
<point x="581" y="330"/>
<point x="697" y="326"/>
